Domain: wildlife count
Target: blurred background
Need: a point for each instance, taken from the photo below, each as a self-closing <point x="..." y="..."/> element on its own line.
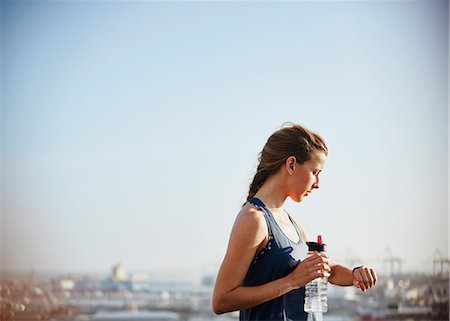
<point x="131" y="130"/>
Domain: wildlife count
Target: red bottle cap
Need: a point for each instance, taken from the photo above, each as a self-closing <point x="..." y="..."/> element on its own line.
<point x="316" y="246"/>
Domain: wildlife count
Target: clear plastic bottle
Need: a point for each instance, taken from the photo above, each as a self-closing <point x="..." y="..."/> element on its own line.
<point x="316" y="301"/>
<point x="316" y="296"/>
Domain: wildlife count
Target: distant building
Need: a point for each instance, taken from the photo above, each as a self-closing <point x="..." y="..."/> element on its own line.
<point x="63" y="284"/>
<point x="119" y="273"/>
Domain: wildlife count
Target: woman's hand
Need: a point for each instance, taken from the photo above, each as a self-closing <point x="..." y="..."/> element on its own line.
<point x="315" y="265"/>
<point x="364" y="278"/>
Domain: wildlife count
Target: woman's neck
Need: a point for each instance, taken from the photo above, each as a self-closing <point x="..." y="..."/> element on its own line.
<point x="272" y="195"/>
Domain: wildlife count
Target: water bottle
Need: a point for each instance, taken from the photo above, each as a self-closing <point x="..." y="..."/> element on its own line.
<point x="316" y="301"/>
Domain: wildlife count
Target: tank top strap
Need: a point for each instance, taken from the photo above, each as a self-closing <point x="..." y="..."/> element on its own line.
<point x="267" y="215"/>
<point x="296" y="226"/>
<point x="256" y="202"/>
<point x="274" y="228"/>
<point x="260" y="205"/>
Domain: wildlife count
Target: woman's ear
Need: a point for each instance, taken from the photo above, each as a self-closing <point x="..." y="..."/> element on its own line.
<point x="290" y="164"/>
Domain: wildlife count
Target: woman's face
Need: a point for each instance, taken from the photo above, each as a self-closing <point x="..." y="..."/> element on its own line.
<point x="305" y="177"/>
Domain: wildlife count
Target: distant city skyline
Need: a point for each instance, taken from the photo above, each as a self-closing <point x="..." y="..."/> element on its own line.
<point x="131" y="131"/>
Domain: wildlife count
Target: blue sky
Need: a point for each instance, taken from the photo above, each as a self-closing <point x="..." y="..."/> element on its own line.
<point x="131" y="130"/>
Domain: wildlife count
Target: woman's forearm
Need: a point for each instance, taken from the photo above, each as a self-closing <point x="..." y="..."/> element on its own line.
<point x="244" y="297"/>
<point x="341" y="275"/>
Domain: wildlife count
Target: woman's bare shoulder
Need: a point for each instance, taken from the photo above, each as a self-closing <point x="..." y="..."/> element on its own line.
<point x="251" y="224"/>
<point x="251" y="215"/>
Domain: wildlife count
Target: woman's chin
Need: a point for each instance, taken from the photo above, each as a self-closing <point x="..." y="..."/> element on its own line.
<point x="298" y="199"/>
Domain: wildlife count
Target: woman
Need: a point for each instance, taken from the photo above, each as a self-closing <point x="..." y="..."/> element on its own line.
<point x="266" y="265"/>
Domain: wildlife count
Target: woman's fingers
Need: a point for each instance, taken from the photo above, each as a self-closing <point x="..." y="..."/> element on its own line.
<point x="370" y="277"/>
<point x="374" y="276"/>
<point x="369" y="274"/>
<point x="356" y="284"/>
<point x="316" y="265"/>
<point x="313" y="266"/>
<point x="364" y="278"/>
<point x="321" y="267"/>
<point x="321" y="261"/>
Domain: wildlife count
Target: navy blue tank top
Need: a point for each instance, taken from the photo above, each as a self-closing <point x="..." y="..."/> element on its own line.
<point x="277" y="259"/>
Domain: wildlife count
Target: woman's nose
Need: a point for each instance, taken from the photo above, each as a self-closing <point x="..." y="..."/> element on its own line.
<point x="316" y="183"/>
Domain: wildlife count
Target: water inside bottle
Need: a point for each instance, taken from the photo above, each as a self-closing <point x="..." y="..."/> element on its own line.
<point x="316" y="296"/>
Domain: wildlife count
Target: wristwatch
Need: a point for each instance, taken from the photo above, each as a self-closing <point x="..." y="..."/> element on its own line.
<point x="355" y="268"/>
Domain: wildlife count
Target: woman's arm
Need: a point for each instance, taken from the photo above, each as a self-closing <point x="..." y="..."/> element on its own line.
<point x="248" y="234"/>
<point x="362" y="277"/>
<point x="340" y="275"/>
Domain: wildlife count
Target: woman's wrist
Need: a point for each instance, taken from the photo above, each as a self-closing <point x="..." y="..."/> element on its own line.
<point x="290" y="282"/>
<point x="357" y="267"/>
<point x="285" y="285"/>
<point x="353" y="271"/>
<point x="294" y="282"/>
